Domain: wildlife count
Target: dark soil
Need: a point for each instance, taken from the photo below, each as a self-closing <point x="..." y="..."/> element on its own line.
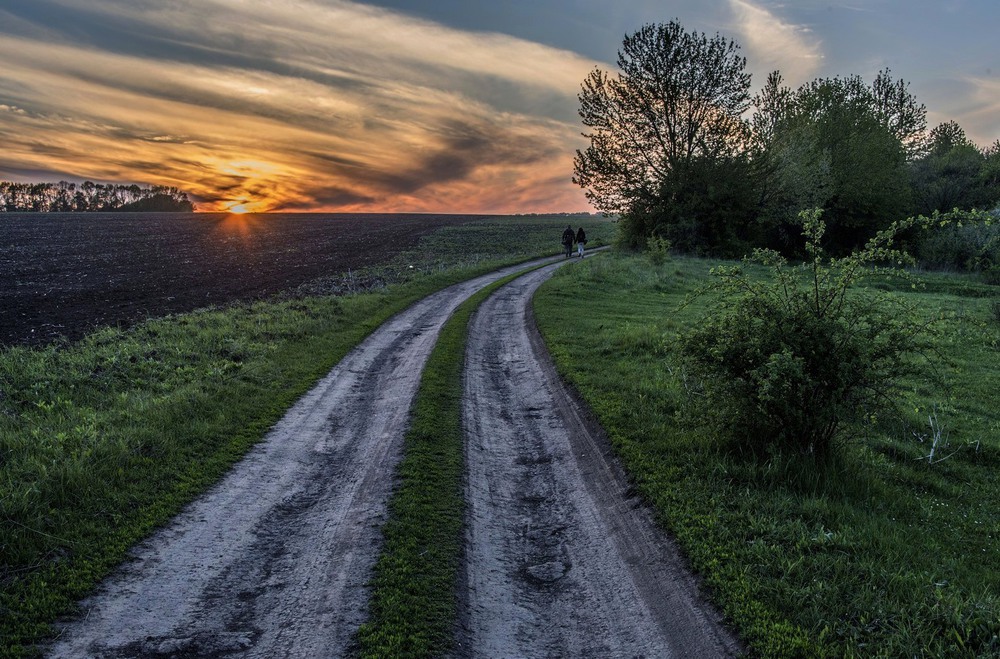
<point x="64" y="274"/>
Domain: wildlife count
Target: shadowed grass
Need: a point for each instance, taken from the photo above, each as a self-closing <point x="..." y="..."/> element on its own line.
<point x="881" y="553"/>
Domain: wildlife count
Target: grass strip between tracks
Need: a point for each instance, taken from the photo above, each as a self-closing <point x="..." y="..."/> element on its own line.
<point x="103" y="440"/>
<point x="413" y="606"/>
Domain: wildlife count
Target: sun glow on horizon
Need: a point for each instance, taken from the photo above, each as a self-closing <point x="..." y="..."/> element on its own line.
<point x="244" y="206"/>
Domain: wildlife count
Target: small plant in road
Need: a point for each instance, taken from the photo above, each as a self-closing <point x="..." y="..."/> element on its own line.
<point x="788" y="362"/>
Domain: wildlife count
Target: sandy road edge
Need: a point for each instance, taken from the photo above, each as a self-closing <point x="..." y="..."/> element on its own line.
<point x="596" y="439"/>
<point x="666" y="594"/>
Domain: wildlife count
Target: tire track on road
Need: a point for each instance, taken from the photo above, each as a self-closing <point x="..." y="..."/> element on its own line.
<point x="560" y="559"/>
<point x="273" y="560"/>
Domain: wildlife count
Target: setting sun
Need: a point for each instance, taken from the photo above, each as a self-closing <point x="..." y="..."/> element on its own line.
<point x="242" y="206"/>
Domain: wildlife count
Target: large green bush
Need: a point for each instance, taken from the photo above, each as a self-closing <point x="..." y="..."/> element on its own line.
<point x="788" y="361"/>
<point x="962" y="241"/>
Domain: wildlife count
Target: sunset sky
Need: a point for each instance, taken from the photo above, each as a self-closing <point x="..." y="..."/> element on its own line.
<point x="458" y="106"/>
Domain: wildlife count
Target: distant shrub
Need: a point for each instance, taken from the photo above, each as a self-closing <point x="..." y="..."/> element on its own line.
<point x="787" y="362"/>
<point x="963" y="241"/>
<point x="658" y="249"/>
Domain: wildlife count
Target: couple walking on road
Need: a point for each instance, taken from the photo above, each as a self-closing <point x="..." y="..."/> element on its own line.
<point x="568" y="238"/>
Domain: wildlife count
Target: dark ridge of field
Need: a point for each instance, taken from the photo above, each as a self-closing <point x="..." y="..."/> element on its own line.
<point x="64" y="274"/>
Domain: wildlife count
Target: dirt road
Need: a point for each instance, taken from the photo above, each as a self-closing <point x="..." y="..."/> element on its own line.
<point x="272" y="562"/>
<point x="561" y="561"/>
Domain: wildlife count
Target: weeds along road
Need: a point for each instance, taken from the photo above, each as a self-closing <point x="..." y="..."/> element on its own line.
<point x="560" y="560"/>
<point x="273" y="561"/>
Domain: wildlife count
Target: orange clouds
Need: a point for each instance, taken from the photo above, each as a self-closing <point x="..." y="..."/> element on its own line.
<point x="330" y="106"/>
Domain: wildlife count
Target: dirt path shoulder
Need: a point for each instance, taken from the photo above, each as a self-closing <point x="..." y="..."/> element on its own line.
<point x="560" y="559"/>
<point x="273" y="561"/>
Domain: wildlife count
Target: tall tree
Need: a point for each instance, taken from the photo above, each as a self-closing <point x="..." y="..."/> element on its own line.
<point x="898" y="110"/>
<point x="954" y="173"/>
<point x="673" y="109"/>
<point x="837" y="144"/>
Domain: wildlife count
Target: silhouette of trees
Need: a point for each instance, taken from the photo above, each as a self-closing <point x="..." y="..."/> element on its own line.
<point x="65" y="197"/>
<point x="665" y="126"/>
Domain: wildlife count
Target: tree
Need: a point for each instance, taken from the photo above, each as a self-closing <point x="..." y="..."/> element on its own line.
<point x="954" y="173"/>
<point x="990" y="173"/>
<point x="836" y="144"/>
<point x="792" y="169"/>
<point x="898" y="110"/>
<point x="67" y="197"/>
<point x="674" y="107"/>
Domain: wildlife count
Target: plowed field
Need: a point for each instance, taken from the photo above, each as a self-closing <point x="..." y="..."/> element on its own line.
<point x="64" y="274"/>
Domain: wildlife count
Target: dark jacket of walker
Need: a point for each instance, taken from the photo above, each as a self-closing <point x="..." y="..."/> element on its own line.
<point x="567" y="238"/>
<point x="581" y="237"/>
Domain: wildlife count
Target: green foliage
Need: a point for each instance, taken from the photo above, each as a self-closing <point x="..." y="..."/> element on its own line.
<point x="658" y="249"/>
<point x="678" y="96"/>
<point x="703" y="206"/>
<point x="837" y="144"/>
<point x="963" y="241"/>
<point x="880" y="554"/>
<point x="954" y="173"/>
<point x="788" y="363"/>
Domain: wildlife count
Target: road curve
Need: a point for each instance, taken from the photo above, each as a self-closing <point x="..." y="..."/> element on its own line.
<point x="273" y="560"/>
<point x="560" y="559"/>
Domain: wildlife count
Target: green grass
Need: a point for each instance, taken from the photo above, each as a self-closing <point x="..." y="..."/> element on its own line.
<point x="105" y="439"/>
<point x="881" y="553"/>
<point x="413" y="604"/>
<point x="469" y="246"/>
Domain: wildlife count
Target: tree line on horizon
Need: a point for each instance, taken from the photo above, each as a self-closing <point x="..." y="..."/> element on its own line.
<point x="66" y="197"/>
<point x="681" y="151"/>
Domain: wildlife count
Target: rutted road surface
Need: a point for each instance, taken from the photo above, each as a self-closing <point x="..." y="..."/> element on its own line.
<point x="560" y="561"/>
<point x="273" y="561"/>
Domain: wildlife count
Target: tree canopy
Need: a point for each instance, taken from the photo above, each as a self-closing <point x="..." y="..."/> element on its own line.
<point x="64" y="197"/>
<point x="678" y="96"/>
<point x="677" y="153"/>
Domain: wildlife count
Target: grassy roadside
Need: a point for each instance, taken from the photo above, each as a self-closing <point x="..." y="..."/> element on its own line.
<point x="105" y="439"/>
<point x="413" y="606"/>
<point x="887" y="554"/>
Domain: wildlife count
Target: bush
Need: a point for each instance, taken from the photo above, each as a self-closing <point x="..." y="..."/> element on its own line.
<point x="658" y="249"/>
<point x="963" y="241"/>
<point x="789" y="362"/>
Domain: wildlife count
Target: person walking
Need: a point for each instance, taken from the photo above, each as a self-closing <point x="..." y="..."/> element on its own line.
<point x="567" y="240"/>
<point x="581" y="240"/>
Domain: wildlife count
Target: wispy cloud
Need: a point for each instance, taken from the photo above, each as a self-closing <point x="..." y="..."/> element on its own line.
<point x="294" y="105"/>
<point x="980" y="117"/>
<point x="773" y="43"/>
